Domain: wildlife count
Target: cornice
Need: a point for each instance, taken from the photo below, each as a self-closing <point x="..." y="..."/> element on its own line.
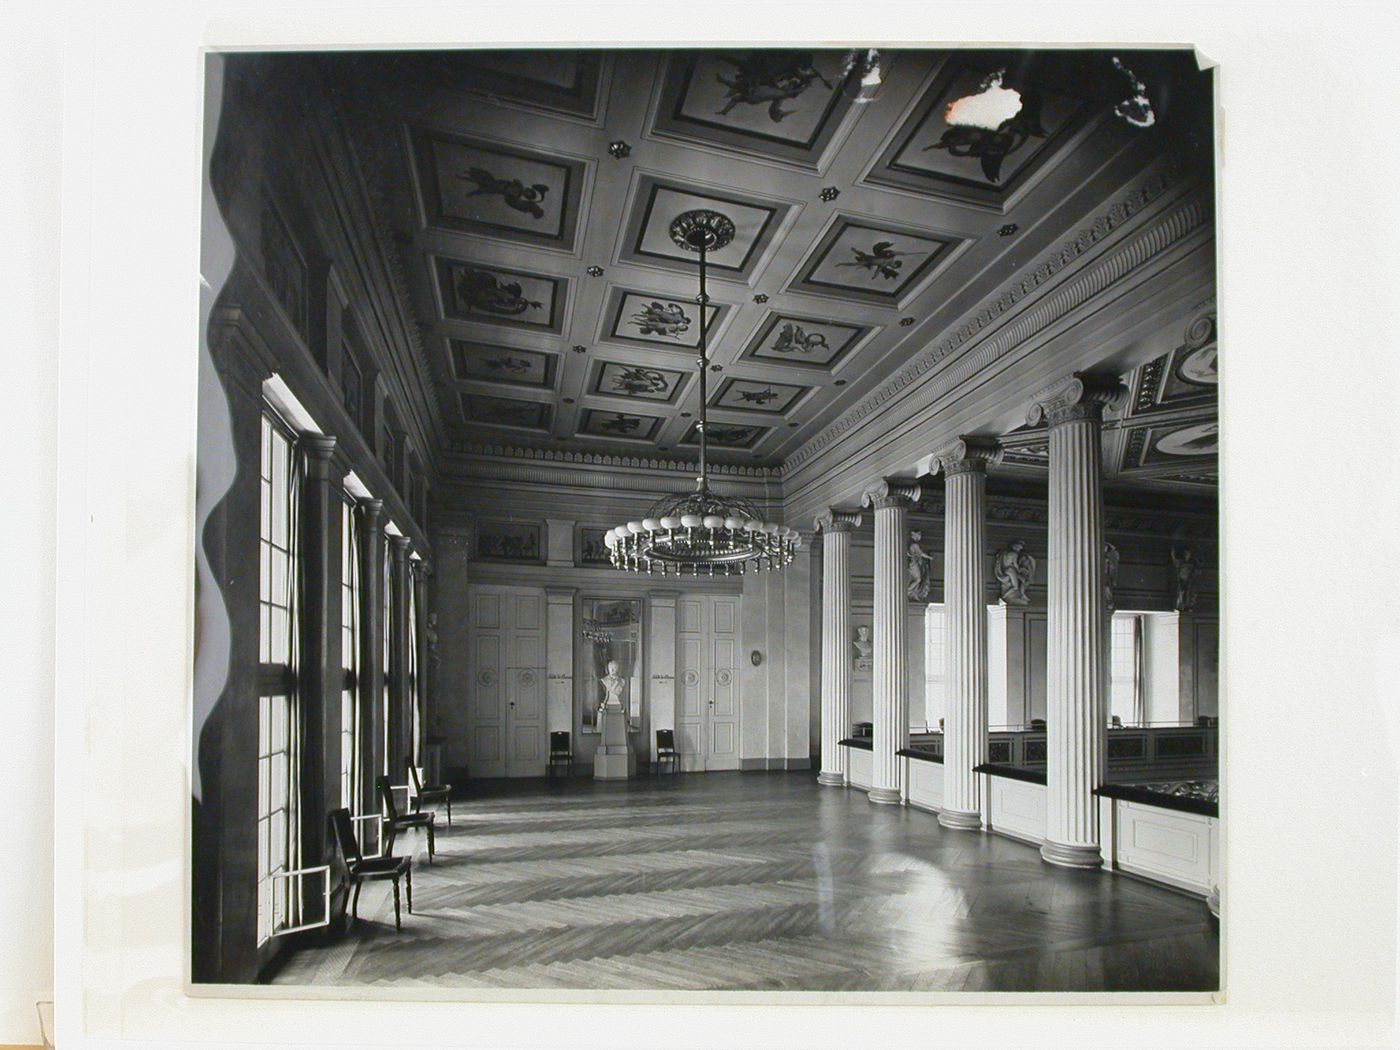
<point x="599" y="459"/>
<point x="1171" y="228"/>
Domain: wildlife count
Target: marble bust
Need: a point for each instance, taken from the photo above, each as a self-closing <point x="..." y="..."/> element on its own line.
<point x="864" y="648"/>
<point x="1014" y="569"/>
<point x="613" y="684"/>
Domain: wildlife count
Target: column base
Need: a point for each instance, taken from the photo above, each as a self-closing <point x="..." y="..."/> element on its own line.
<point x="957" y="820"/>
<point x="885" y="796"/>
<point x="1071" y="856"/>
<point x="831" y="779"/>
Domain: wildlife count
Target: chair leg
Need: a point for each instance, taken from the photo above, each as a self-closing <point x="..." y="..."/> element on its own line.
<point x="449" y="811"/>
<point x="355" y="909"/>
<point x="398" y="919"/>
<point x="431" y="847"/>
<point x="408" y="882"/>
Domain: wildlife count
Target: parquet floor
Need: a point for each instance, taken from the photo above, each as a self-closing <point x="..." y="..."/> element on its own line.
<point x="756" y="882"/>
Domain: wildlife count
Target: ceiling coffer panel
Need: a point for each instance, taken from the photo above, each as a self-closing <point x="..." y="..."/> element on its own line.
<point x="783" y="106"/>
<point x="470" y="185"/>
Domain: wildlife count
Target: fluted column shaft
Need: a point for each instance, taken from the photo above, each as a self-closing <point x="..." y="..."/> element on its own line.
<point x="891" y="500"/>
<point x="836" y="529"/>
<point x="965" y="627"/>
<point x="1077" y="638"/>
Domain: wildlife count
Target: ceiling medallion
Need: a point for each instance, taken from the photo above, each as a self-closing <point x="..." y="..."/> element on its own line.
<point x="619" y="149"/>
<point x="595" y="271"/>
<point x="829" y="193"/>
<point x="1008" y="230"/>
<point x="579" y="348"/>
<point x="699" y="533"/>
<point x="760" y="298"/>
<point x="905" y="322"/>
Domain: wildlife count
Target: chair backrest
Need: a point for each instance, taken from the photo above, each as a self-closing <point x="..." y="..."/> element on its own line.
<point x="344" y="830"/>
<point x="559" y="742"/>
<point x="414" y="780"/>
<point x="665" y="740"/>
<point x="386" y="795"/>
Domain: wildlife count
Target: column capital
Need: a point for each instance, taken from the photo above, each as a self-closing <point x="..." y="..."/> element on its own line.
<point x="892" y="492"/>
<point x="400" y="545"/>
<point x="970" y="454"/>
<point x="422" y="568"/>
<point x="1084" y="395"/>
<point x="319" y="447"/>
<point x="834" y="519"/>
<point x="560" y="595"/>
<point x="373" y="514"/>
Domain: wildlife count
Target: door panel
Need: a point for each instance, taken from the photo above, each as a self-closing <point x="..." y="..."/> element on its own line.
<point x="707" y="712"/>
<point x="506" y="706"/>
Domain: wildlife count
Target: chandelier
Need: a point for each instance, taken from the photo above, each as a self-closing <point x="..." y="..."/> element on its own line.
<point x="700" y="533"/>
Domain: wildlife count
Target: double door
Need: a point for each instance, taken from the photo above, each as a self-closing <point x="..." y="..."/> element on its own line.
<point x="507" y="692"/>
<point x="707" y="681"/>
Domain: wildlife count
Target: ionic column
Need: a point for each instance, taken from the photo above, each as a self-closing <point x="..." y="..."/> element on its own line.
<point x="965" y="626"/>
<point x="1077" y="637"/>
<point x="836" y="526"/>
<point x="891" y="499"/>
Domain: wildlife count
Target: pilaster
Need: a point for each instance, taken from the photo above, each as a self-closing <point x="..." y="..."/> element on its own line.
<point x="400" y="693"/>
<point x="835" y="526"/>
<point x="320" y="664"/>
<point x="559" y="659"/>
<point x="965" y="625"/>
<point x="891" y="500"/>
<point x="372" y="671"/>
<point x="662" y="662"/>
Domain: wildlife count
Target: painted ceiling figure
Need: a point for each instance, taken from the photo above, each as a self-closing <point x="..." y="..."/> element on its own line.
<point x="635" y="379"/>
<point x="991" y="146"/>
<point x="507" y="364"/>
<point x="769" y="77"/>
<point x="882" y="260"/>
<point x="514" y="192"/>
<point x="665" y="319"/>
<point x="621" y="424"/>
<point x="478" y="290"/>
<point x="758" y="397"/>
<point x="794" y="337"/>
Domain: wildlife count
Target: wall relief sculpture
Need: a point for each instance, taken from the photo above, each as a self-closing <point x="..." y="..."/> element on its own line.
<point x="920" y="569"/>
<point x="1014" y="569"/>
<point x="1184" y="567"/>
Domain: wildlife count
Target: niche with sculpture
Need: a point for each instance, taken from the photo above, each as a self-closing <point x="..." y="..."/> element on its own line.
<point x="612" y="634"/>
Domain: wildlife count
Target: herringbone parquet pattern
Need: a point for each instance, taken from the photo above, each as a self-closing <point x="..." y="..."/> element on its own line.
<point x="756" y="882"/>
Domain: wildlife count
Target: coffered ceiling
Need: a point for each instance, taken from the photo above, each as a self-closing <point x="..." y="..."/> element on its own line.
<point x="528" y="197"/>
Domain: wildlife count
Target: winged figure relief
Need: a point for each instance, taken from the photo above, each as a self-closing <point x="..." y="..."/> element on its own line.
<point x="513" y="365"/>
<point x="769" y="78"/>
<point x="882" y="260"/>
<point x="514" y="192"/>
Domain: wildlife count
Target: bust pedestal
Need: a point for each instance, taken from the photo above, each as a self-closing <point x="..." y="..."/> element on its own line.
<point x="614" y="759"/>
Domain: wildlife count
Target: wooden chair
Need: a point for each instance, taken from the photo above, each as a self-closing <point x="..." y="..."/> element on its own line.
<point x="431" y="794"/>
<point x="666" y="751"/>
<point x="359" y="870"/>
<point x="561" y="752"/>
<point x="402" y="821"/>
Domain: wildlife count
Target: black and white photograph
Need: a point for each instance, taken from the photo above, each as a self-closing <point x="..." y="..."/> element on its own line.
<point x="707" y="524"/>
<point x="903" y="681"/>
